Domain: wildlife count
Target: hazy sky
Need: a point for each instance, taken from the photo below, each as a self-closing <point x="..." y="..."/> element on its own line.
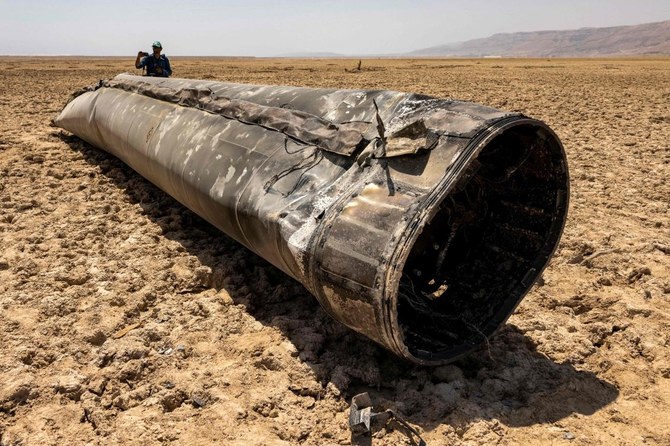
<point x="269" y="28"/>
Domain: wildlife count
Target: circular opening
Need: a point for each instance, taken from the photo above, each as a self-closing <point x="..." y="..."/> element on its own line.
<point x="488" y="241"/>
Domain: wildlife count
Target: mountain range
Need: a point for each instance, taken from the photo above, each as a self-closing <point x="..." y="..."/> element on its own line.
<point x="645" y="39"/>
<point x="633" y="40"/>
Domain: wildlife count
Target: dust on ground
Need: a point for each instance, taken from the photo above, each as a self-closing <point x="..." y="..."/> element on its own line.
<point x="126" y="319"/>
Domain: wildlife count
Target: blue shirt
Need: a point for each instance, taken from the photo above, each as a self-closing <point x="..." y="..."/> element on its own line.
<point x="151" y="63"/>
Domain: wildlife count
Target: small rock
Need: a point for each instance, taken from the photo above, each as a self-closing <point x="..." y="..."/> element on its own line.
<point x="568" y="435"/>
<point x="105" y="358"/>
<point x="577" y="258"/>
<point x="70" y="386"/>
<point x="241" y="413"/>
<point x="263" y="407"/>
<point x="97" y="386"/>
<point x="4" y="265"/>
<point x="224" y="298"/>
<point x="308" y="402"/>
<point x="637" y="311"/>
<point x="56" y="174"/>
<point x="605" y="281"/>
<point x="198" y="400"/>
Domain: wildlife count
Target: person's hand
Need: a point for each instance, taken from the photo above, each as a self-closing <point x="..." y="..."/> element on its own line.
<point x="159" y="70"/>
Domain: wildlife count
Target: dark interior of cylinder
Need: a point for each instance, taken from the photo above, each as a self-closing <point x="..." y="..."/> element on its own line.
<point x="485" y="246"/>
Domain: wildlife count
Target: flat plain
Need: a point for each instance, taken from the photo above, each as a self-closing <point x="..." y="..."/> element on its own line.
<point x="126" y="319"/>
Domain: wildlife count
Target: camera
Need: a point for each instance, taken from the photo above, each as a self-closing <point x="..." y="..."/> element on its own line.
<point x="143" y="54"/>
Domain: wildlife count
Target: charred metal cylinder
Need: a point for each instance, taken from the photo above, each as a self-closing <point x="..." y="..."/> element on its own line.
<point x="418" y="222"/>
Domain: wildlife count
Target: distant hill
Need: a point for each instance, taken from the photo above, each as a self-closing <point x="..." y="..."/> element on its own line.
<point x="646" y="39"/>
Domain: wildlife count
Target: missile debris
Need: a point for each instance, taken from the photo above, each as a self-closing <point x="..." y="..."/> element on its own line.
<point x="419" y="222"/>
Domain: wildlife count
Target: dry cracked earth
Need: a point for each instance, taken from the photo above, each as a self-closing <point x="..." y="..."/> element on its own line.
<point x="126" y="319"/>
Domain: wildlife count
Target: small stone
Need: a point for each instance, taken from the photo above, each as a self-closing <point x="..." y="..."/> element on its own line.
<point x="569" y="435"/>
<point x="97" y="386"/>
<point x="4" y="265"/>
<point x="604" y="281"/>
<point x="105" y="358"/>
<point x="637" y="311"/>
<point x="198" y="400"/>
<point x="225" y="298"/>
<point x="577" y="258"/>
<point x="70" y="386"/>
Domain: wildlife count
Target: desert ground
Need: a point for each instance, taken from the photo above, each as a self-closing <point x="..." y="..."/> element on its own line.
<point x="126" y="319"/>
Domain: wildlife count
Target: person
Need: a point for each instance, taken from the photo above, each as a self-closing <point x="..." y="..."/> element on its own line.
<point x="157" y="64"/>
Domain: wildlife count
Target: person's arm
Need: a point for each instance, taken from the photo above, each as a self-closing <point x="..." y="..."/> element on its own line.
<point x="168" y="70"/>
<point x="139" y="60"/>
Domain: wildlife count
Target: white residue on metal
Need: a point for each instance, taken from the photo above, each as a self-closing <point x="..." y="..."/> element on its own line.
<point x="239" y="179"/>
<point x="219" y="185"/>
<point x="188" y="156"/>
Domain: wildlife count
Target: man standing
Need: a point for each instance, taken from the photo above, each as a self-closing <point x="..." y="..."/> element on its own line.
<point x="157" y="64"/>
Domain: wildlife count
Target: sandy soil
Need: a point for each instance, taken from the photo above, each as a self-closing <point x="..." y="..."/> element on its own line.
<point x="125" y="319"/>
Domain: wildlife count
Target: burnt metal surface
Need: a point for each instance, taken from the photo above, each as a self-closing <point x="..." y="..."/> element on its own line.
<point x="418" y="222"/>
